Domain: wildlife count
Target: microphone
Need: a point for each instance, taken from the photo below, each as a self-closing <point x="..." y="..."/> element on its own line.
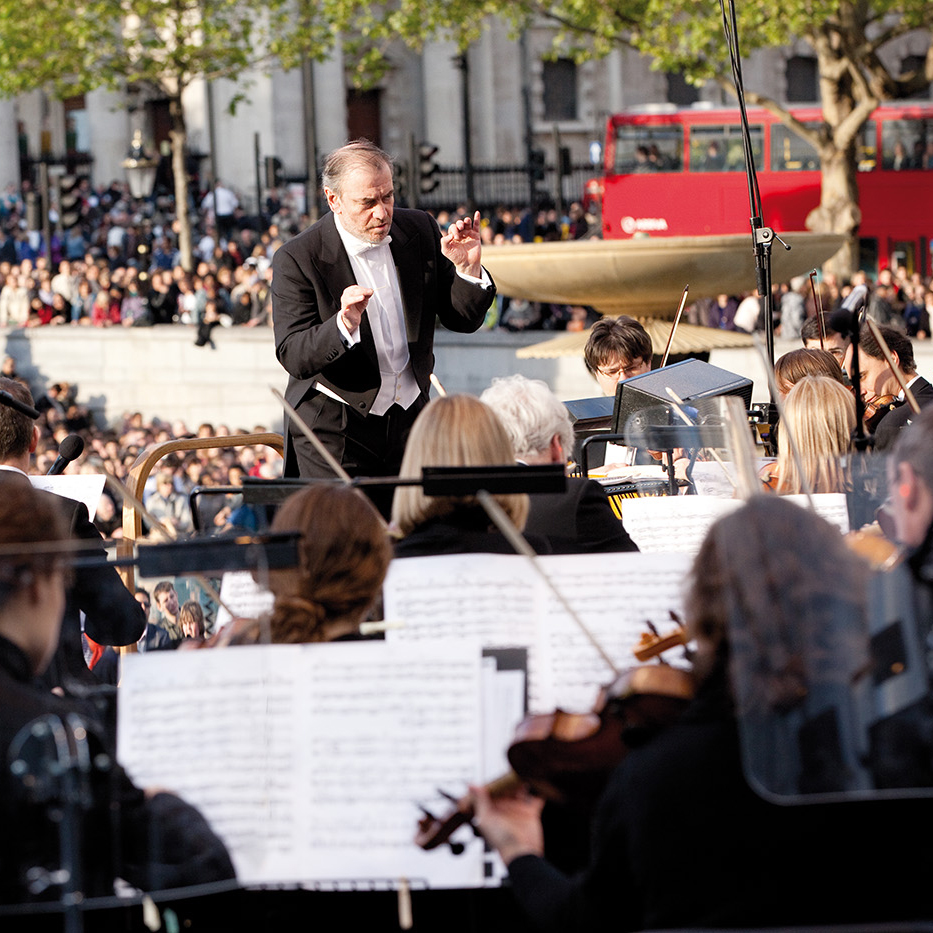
<point x="855" y="300"/>
<point x="17" y="405"/>
<point x="70" y="449"/>
<point x="846" y="320"/>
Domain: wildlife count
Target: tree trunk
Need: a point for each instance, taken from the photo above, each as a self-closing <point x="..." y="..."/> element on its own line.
<point x="179" y="138"/>
<point x="839" y="211"/>
<point x="846" y="107"/>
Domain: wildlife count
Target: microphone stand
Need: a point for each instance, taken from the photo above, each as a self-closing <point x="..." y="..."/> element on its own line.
<point x="762" y="237"/>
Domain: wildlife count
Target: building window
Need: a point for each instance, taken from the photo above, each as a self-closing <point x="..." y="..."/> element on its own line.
<point x="802" y="84"/>
<point x="77" y="125"/>
<point x="912" y="63"/>
<point x="680" y="91"/>
<point x="560" y="89"/>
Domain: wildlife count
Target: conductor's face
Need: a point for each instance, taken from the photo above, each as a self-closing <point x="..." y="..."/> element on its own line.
<point x="365" y="202"/>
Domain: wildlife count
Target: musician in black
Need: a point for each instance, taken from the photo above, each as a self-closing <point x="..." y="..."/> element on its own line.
<point x="680" y="838"/>
<point x="880" y="388"/>
<point x="150" y="838"/>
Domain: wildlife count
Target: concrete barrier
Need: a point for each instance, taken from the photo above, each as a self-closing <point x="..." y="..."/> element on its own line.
<point x="161" y="373"/>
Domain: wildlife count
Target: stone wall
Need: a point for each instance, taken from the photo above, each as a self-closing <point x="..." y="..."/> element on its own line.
<point x="160" y="372"/>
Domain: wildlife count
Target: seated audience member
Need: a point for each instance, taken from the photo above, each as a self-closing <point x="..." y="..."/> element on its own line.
<point x="191" y="618"/>
<point x="879" y="386"/>
<point x="819" y="414"/>
<point x="794" y="365"/>
<point x="579" y="519"/>
<point x="149" y="838"/>
<point x="454" y="431"/>
<point x="834" y="342"/>
<point x="343" y="555"/>
<point x="111" y="615"/>
<point x="165" y="613"/>
<point x="776" y="573"/>
<point x="617" y="349"/>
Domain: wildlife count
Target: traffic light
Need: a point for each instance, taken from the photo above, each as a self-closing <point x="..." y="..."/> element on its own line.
<point x="566" y="167"/>
<point x="427" y="168"/>
<point x="69" y="201"/>
<point x="537" y="164"/>
<point x="275" y="175"/>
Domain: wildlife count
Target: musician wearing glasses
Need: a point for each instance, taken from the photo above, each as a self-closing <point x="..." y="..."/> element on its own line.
<point x="618" y="348"/>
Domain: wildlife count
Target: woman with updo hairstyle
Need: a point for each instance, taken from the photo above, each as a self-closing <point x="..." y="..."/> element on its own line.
<point x="343" y="556"/>
<point x="819" y="414"/>
<point x="454" y="431"/>
<point x="795" y="365"/>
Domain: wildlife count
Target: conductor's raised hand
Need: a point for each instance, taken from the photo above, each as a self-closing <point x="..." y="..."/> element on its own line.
<point x="353" y="303"/>
<point x="462" y="246"/>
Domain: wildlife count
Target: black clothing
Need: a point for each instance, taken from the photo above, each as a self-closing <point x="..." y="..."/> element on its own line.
<point x="311" y="272"/>
<point x="112" y="615"/>
<point x="890" y="425"/>
<point x="153" y="843"/>
<point x="465" y="531"/>
<point x="681" y="840"/>
<point x="579" y="520"/>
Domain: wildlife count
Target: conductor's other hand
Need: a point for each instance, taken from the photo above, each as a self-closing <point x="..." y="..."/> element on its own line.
<point x="353" y="303"/>
<point x="462" y="246"/>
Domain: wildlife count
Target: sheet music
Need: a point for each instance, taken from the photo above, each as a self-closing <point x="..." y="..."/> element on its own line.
<point x="673" y="523"/>
<point x="614" y="595"/>
<point x="83" y="487"/>
<point x="830" y="505"/>
<point x="309" y="760"/>
<point x="247" y="598"/>
<point x="447" y="596"/>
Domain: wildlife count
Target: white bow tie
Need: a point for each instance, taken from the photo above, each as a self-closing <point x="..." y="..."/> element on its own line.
<point x="358" y="247"/>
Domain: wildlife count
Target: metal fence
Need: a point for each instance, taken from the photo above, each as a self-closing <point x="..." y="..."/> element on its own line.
<point x="506" y="185"/>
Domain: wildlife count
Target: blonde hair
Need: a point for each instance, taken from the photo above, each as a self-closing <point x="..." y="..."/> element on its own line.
<point x="454" y="430"/>
<point x="820" y="415"/>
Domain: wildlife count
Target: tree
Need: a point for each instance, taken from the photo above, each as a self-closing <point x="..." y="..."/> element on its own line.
<point x="849" y="39"/>
<point x="69" y="48"/>
<point x="169" y="43"/>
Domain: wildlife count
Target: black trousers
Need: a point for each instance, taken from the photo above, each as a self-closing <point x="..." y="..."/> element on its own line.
<point x="364" y="445"/>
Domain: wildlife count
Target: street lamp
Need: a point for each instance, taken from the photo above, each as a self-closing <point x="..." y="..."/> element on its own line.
<point x="140" y="169"/>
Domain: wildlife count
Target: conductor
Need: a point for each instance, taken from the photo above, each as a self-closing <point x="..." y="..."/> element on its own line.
<point x="356" y="298"/>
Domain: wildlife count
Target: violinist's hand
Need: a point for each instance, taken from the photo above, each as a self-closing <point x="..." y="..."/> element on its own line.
<point x="511" y="824"/>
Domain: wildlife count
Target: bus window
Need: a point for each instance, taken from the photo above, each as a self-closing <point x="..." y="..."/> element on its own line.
<point x="904" y="144"/>
<point x="642" y="149"/>
<point x="791" y="153"/>
<point x="719" y="148"/>
<point x="867" y="147"/>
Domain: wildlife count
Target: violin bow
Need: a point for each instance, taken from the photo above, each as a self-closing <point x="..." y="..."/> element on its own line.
<point x="670" y="338"/>
<point x="511" y="534"/>
<point x="299" y="423"/>
<point x="818" y="306"/>
<point x="892" y="365"/>
<point x="120" y="490"/>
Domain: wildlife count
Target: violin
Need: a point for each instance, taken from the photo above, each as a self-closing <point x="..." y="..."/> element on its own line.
<point x="568" y="757"/>
<point x="876" y="408"/>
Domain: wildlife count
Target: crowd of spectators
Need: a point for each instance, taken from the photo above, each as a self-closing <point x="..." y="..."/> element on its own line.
<point x="114" y="450"/>
<point x="120" y="266"/>
<point x="897" y="298"/>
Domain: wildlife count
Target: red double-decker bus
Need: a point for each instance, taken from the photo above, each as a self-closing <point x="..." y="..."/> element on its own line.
<point x="676" y="172"/>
